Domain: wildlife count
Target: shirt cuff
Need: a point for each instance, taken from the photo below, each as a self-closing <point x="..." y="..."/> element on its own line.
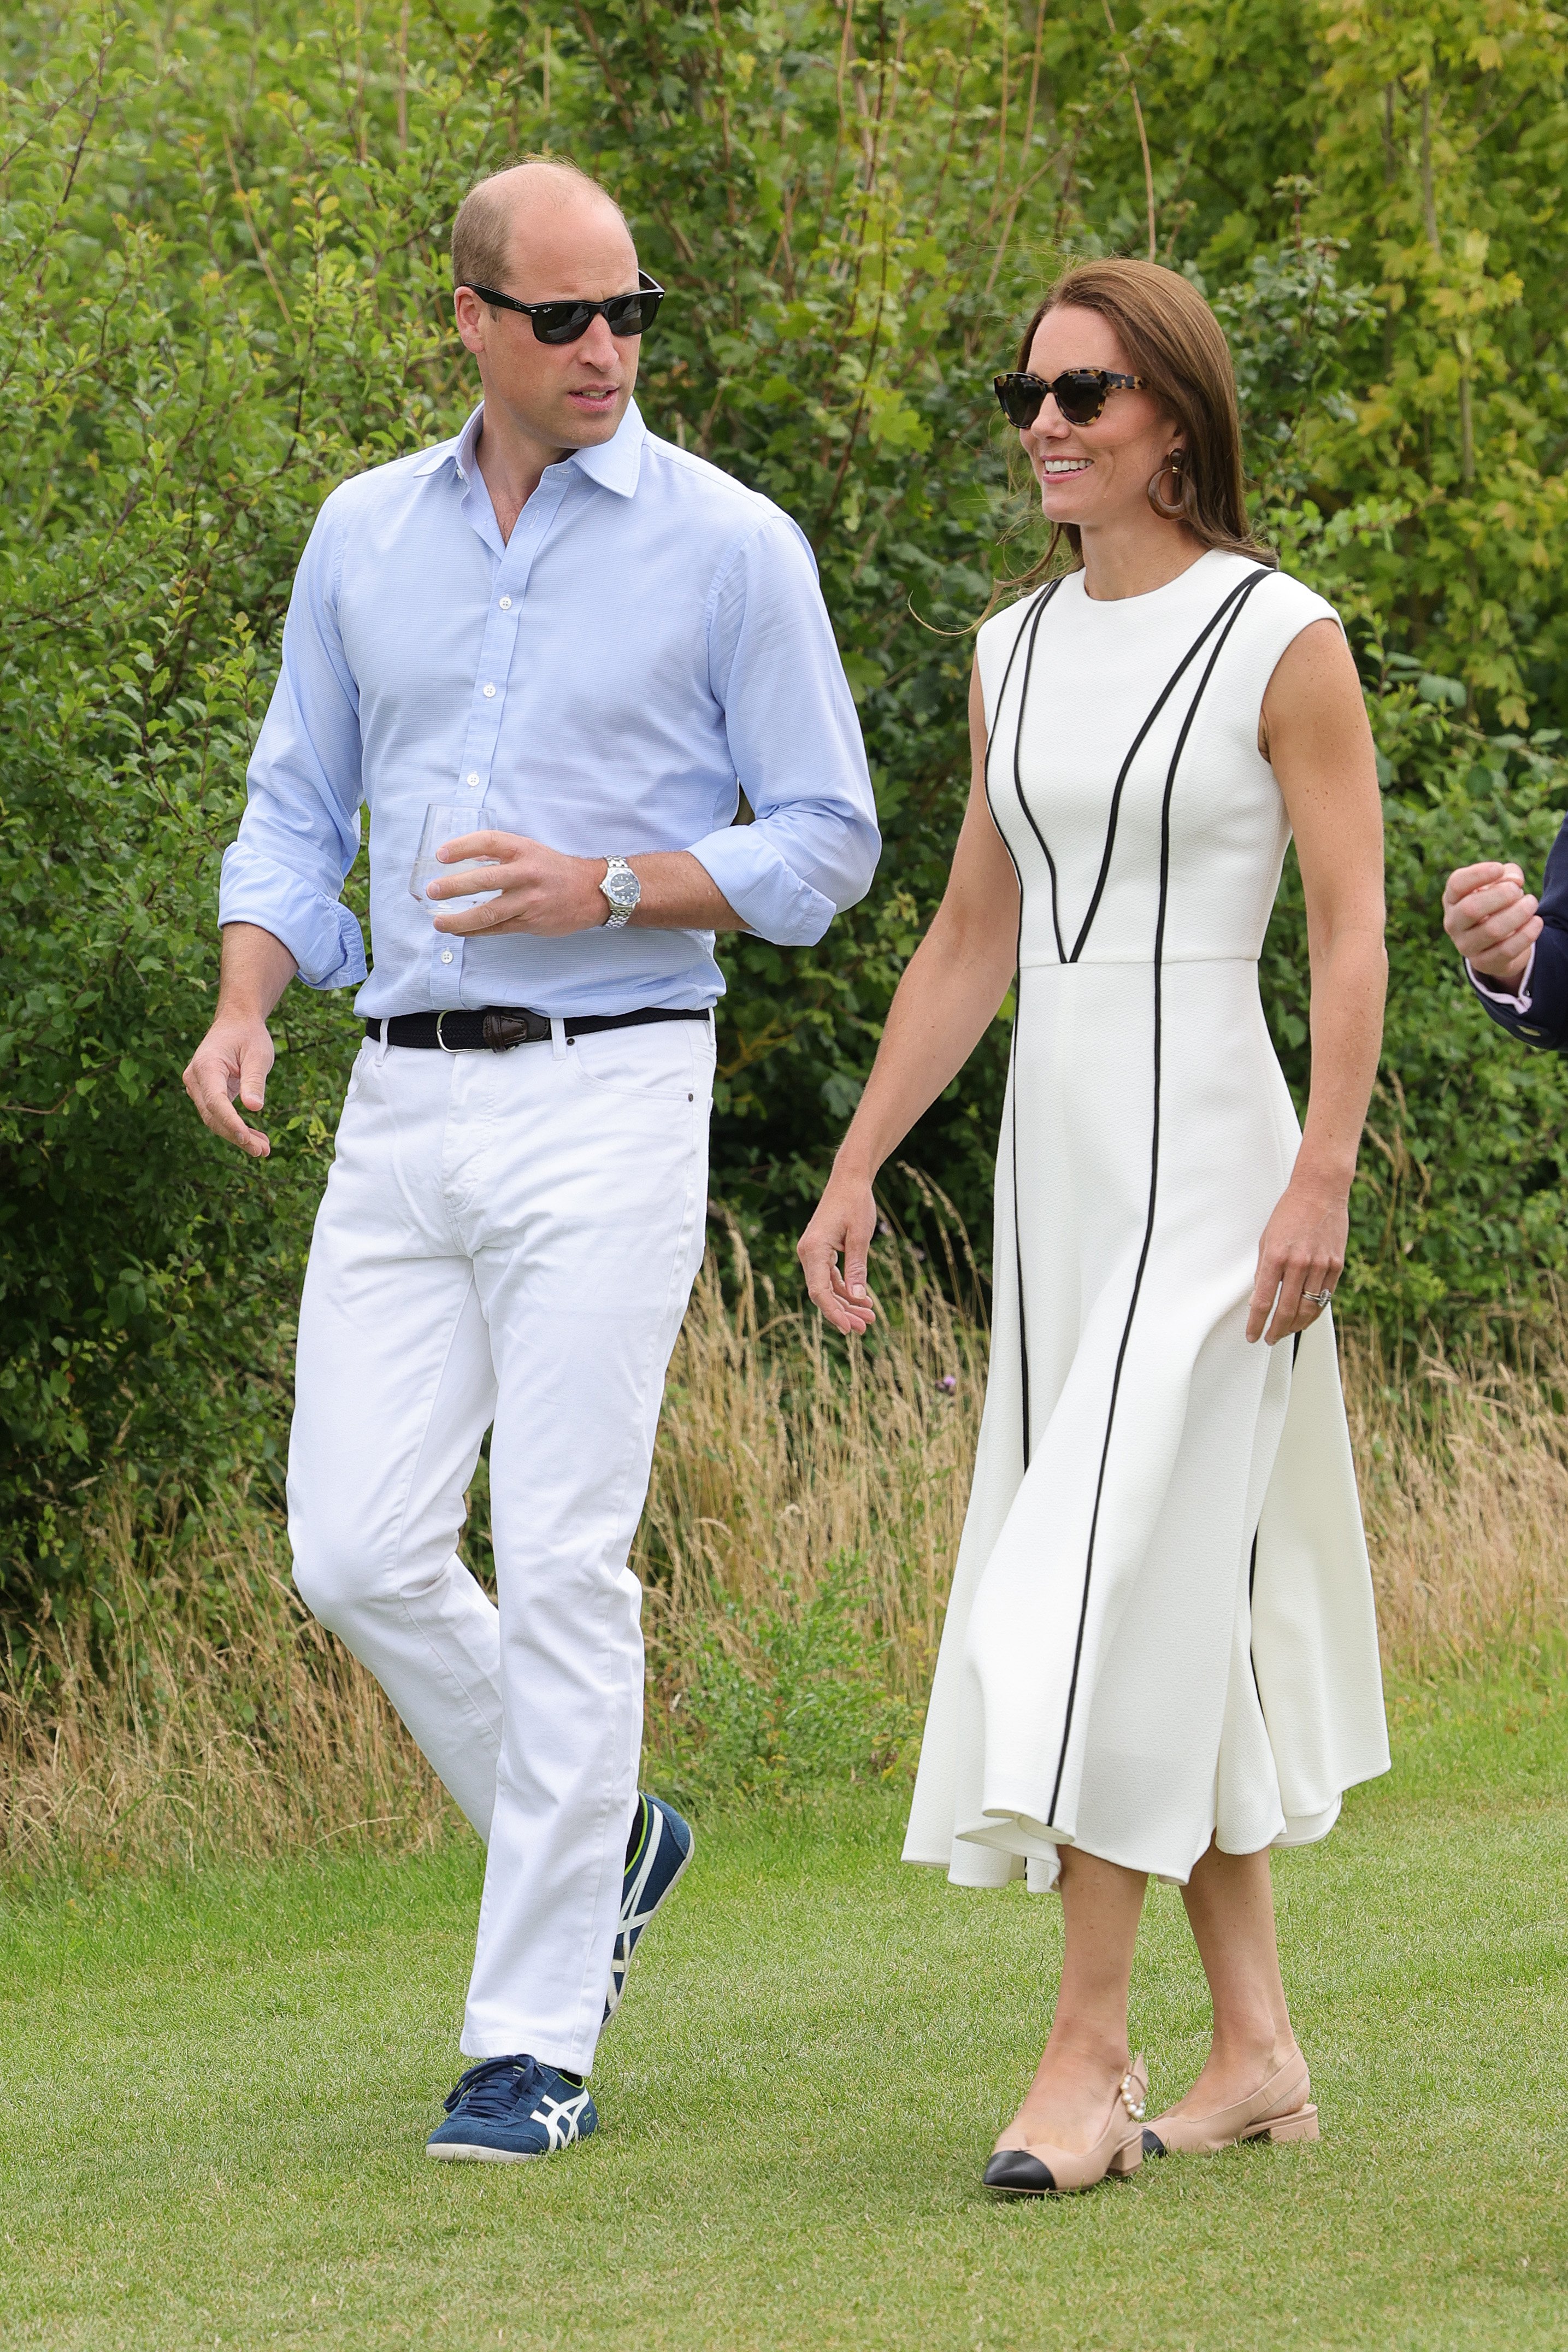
<point x="1518" y="1001"/>
<point x="767" y="895"/>
<point x="320" y="934"/>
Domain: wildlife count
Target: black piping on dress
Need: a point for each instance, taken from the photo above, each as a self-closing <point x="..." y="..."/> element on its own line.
<point x="1033" y="627"/>
<point x="1228" y="612"/>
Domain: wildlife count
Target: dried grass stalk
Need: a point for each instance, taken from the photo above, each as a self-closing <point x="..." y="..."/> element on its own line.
<point x="1464" y="1485"/>
<point x="190" y="1707"/>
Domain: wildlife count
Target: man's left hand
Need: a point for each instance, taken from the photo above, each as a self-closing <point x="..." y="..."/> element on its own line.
<point x="541" y="891"/>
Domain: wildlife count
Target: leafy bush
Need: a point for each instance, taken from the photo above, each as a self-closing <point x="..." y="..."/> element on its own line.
<point x="786" y="1700"/>
<point x="225" y="247"/>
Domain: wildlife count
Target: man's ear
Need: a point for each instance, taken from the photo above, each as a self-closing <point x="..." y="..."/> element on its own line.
<point x="471" y="318"/>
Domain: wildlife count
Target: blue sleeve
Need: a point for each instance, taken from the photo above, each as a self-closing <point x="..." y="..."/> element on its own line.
<point x="1537" y="1011"/>
<point x="300" y="831"/>
<point x="813" y="848"/>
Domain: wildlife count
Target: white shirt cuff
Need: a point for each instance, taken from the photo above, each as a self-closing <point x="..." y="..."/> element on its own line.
<point x="1518" y="1001"/>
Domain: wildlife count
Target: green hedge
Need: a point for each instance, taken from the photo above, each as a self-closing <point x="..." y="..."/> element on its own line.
<point x="223" y="290"/>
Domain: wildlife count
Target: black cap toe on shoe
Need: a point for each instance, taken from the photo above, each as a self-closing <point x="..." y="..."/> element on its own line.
<point x="1153" y="2143"/>
<point x="1019" y="2174"/>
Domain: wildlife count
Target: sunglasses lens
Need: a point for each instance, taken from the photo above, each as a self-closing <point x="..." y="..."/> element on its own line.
<point x="1019" y="397"/>
<point x="1080" y="395"/>
<point x="632" y="314"/>
<point x="562" y="323"/>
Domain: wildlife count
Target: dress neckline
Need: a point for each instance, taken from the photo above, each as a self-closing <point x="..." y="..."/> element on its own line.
<point x="1146" y="596"/>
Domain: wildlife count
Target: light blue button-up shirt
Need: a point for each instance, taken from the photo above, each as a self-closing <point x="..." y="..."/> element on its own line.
<point x="649" y="640"/>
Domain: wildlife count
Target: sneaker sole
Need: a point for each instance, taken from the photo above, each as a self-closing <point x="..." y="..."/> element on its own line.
<point x="615" y="1998"/>
<point x="450" y="2154"/>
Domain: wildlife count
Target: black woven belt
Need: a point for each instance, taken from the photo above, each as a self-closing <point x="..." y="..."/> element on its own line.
<point x="499" y="1028"/>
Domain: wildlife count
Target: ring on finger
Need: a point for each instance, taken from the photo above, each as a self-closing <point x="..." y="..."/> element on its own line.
<point x="1316" y="1298"/>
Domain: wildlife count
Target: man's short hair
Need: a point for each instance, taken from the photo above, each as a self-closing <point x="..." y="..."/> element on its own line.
<point x="481" y="233"/>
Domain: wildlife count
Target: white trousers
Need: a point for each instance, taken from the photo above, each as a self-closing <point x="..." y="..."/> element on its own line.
<point x="506" y="1238"/>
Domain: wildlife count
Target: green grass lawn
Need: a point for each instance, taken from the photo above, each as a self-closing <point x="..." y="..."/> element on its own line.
<point x="215" y="2093"/>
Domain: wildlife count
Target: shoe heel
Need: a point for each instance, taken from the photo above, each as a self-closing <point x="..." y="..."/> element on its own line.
<point x="1128" y="2156"/>
<point x="1303" y="2125"/>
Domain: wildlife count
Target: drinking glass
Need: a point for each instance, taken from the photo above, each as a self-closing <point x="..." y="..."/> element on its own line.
<point x="447" y="821"/>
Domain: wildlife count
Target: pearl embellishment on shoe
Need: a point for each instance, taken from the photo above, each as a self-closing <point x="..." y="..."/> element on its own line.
<point x="1141" y="2109"/>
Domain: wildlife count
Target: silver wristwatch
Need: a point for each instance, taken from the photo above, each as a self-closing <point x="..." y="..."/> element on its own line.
<point x="622" y="889"/>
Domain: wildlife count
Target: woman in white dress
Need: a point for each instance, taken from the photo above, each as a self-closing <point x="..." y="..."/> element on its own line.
<point x="1159" y="1653"/>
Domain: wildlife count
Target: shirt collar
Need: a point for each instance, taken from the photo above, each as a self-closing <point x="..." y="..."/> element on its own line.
<point x="457" y="452"/>
<point x="615" y="464"/>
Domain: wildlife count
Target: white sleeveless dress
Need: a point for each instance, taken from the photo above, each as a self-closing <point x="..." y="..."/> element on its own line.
<point x="1161" y="1625"/>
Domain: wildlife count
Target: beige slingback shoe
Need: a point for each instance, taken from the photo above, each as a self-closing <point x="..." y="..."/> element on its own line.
<point x="1040" y="2170"/>
<point x="1280" y="2109"/>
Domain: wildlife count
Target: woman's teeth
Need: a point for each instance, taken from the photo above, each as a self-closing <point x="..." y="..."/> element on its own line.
<point x="1066" y="466"/>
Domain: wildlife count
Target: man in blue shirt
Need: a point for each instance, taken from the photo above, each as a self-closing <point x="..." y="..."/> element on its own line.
<point x="559" y="644"/>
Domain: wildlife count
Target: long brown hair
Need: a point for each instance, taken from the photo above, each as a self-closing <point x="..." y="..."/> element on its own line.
<point x="1173" y="340"/>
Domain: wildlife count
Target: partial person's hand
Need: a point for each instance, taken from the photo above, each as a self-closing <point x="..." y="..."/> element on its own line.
<point x="542" y="890"/>
<point x="1491" y="918"/>
<point x="231" y="1064"/>
<point x="842" y="1228"/>
<point x="1303" y="1250"/>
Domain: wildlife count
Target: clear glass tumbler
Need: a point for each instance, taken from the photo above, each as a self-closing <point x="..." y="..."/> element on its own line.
<point x="447" y="821"/>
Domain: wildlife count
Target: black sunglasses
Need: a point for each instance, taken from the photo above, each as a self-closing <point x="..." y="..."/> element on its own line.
<point x="1080" y="393"/>
<point x="566" y="322"/>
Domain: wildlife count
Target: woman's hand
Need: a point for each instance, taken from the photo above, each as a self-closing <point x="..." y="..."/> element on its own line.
<point x="1302" y="1249"/>
<point x="842" y="1228"/>
<point x="951" y="992"/>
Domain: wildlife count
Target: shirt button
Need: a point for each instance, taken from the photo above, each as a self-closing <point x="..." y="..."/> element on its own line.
<point x="506" y="604"/>
<point x="489" y="690"/>
<point x="473" y="778"/>
<point x="446" y="955"/>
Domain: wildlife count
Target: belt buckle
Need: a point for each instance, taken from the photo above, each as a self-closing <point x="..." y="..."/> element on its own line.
<point x="440" y="1039"/>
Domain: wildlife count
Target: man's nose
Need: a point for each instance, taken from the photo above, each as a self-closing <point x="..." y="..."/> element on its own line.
<point x="599" y="346"/>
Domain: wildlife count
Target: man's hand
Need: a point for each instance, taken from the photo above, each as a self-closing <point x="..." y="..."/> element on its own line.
<point x="548" y="894"/>
<point x="231" y="1063"/>
<point x="233" y="1059"/>
<point x="543" y="892"/>
<point x="1492" y="919"/>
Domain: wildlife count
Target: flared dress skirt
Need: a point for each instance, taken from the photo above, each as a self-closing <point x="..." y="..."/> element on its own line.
<point x="1161" y="1626"/>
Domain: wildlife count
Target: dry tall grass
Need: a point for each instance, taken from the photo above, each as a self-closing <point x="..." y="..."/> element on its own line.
<point x="781" y="1451"/>
<point x="190" y="1707"/>
<point x="1463" y="1468"/>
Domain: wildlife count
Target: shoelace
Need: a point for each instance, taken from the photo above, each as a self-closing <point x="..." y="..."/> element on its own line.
<point x="493" y="2088"/>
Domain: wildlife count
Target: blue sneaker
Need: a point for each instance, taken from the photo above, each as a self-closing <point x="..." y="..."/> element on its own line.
<point x="506" y="2109"/>
<point x="654" y="1862"/>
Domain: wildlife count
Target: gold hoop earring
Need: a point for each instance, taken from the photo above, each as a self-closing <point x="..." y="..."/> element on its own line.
<point x="1173" y="467"/>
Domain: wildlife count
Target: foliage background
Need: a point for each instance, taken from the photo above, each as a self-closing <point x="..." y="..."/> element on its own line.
<point x="223" y="247"/>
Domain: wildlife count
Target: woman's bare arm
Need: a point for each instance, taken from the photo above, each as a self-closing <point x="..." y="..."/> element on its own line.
<point x="1316" y="737"/>
<point x="946" y="999"/>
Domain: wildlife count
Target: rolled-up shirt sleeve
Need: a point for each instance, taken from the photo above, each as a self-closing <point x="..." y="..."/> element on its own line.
<point x="813" y="846"/>
<point x="300" y="831"/>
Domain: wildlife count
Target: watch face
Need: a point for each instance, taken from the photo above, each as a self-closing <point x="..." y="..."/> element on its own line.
<point x="621" y="889"/>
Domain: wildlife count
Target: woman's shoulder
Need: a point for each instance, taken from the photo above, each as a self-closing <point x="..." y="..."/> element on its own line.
<point x="1277" y="609"/>
<point x="1287" y="596"/>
